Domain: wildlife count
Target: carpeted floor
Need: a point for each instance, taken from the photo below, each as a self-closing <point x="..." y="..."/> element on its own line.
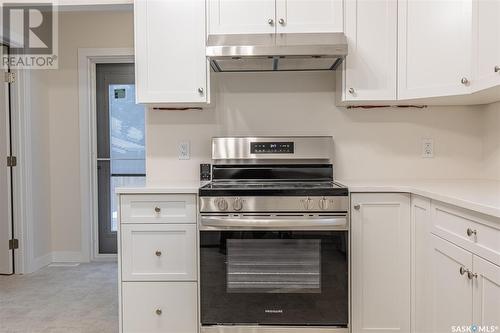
<point x="82" y="299"/>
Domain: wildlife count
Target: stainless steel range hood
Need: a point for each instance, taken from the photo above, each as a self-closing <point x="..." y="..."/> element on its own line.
<point x="276" y="52"/>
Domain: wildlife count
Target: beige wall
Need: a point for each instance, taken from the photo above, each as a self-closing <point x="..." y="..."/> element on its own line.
<point x="369" y="144"/>
<point x="491" y="141"/>
<point x="76" y="30"/>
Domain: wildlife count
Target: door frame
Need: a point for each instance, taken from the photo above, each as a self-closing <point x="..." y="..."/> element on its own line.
<point x="87" y="60"/>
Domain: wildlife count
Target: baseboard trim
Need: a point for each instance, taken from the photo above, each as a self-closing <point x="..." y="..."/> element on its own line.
<point x="67" y="256"/>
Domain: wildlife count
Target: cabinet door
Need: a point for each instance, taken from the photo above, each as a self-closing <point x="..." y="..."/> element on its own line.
<point x="421" y="264"/>
<point x="486" y="293"/>
<point x="295" y="16"/>
<point x="241" y="16"/>
<point x="380" y="262"/>
<point x="159" y="307"/>
<point x="434" y="48"/>
<point x="370" y="68"/>
<point x="451" y="287"/>
<point x="486" y="27"/>
<point x="171" y="65"/>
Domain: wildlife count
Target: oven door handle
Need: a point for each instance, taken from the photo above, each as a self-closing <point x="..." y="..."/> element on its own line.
<point x="275" y="223"/>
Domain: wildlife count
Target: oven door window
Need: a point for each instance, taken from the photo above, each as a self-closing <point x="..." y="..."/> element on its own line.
<point x="273" y="266"/>
<point x="289" y="278"/>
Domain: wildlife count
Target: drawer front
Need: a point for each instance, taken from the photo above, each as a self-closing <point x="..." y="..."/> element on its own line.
<point x="474" y="232"/>
<point x="159" y="307"/>
<point x="158" y="252"/>
<point x="158" y="208"/>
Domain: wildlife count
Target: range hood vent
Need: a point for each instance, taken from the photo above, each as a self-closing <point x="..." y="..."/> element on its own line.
<point x="276" y="52"/>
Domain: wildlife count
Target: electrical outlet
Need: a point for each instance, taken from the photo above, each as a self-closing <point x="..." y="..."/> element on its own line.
<point x="427" y="148"/>
<point x="184" y="150"/>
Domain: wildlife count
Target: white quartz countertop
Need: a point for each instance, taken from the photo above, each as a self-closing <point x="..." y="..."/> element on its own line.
<point x="482" y="196"/>
<point x="167" y="188"/>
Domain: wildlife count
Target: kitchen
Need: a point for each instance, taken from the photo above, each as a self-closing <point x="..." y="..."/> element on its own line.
<point x="411" y="120"/>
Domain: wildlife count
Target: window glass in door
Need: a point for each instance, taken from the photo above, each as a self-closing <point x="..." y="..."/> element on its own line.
<point x="6" y="227"/>
<point x="120" y="145"/>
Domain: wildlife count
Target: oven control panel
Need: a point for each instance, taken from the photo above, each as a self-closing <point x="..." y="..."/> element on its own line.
<point x="272" y="147"/>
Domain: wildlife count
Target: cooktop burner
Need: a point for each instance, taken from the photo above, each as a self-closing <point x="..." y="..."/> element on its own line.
<point x="269" y="188"/>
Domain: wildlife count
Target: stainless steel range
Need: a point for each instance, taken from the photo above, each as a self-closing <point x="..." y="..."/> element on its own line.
<point x="274" y="238"/>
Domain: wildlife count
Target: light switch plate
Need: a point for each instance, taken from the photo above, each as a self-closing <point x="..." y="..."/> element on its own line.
<point x="184" y="149"/>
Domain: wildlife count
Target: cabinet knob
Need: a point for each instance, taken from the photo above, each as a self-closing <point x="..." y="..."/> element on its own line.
<point x="465" y="80"/>
<point x="462" y="270"/>
<point x="201" y="90"/>
<point x="471" y="232"/>
<point x="157" y="209"/>
<point x="281" y="21"/>
<point x="471" y="275"/>
<point x="270" y="22"/>
<point x="158" y="253"/>
<point x="357" y="206"/>
<point x="158" y="312"/>
<point x="351" y="91"/>
<point x="497" y="69"/>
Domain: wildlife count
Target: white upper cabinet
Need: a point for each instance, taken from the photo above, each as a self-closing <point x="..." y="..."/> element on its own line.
<point x="171" y="65"/>
<point x="434" y="48"/>
<point x="241" y="16"/>
<point x="370" y="67"/>
<point x="271" y="16"/>
<point x="486" y="44"/>
<point x="293" y="16"/>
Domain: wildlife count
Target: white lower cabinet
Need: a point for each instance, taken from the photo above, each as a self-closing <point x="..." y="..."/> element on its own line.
<point x="380" y="234"/>
<point x="486" y="293"/>
<point x="160" y="307"/>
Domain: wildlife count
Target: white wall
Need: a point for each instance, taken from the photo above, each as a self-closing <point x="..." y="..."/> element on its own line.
<point x="369" y="144"/>
<point x="491" y="141"/>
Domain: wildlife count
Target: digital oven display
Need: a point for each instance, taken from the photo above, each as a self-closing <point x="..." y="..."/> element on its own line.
<point x="271" y="147"/>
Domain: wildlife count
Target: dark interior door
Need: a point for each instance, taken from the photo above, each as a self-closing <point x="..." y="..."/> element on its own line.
<point x="120" y="144"/>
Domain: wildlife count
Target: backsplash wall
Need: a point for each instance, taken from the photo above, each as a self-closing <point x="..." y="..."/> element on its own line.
<point x="375" y="143"/>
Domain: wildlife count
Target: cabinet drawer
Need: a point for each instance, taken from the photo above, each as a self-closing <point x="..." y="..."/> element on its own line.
<point x="159" y="307"/>
<point x="472" y="231"/>
<point x="158" y="252"/>
<point x="178" y="208"/>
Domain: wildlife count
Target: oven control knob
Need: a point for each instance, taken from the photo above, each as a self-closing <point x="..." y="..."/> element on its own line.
<point x="308" y="203"/>
<point x="323" y="204"/>
<point x="238" y="204"/>
<point x="222" y="204"/>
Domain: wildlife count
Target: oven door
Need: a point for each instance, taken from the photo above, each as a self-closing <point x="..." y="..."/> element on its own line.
<point x="255" y="274"/>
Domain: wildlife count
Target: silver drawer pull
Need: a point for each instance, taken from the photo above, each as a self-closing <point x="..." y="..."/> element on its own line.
<point x="462" y="270"/>
<point x="157" y="209"/>
<point x="158" y="253"/>
<point x="471" y="232"/>
<point x="471" y="275"/>
<point x="158" y="312"/>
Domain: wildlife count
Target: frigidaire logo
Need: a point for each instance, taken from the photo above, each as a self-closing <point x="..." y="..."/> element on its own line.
<point x="30" y="31"/>
<point x="273" y="311"/>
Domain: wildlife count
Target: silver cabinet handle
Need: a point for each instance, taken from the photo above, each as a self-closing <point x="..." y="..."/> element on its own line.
<point x="462" y="270"/>
<point x="471" y="232"/>
<point x="281" y="21"/>
<point x="270" y="22"/>
<point x="201" y="90"/>
<point x="158" y="312"/>
<point x="351" y="91"/>
<point x="157" y="209"/>
<point x="357" y="206"/>
<point x="464" y="80"/>
<point x="158" y="253"/>
<point x="497" y="69"/>
<point x="471" y="275"/>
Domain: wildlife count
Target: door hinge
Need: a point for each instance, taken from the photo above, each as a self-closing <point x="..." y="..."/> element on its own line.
<point x="10" y="77"/>
<point x="13" y="244"/>
<point x="11" y="161"/>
